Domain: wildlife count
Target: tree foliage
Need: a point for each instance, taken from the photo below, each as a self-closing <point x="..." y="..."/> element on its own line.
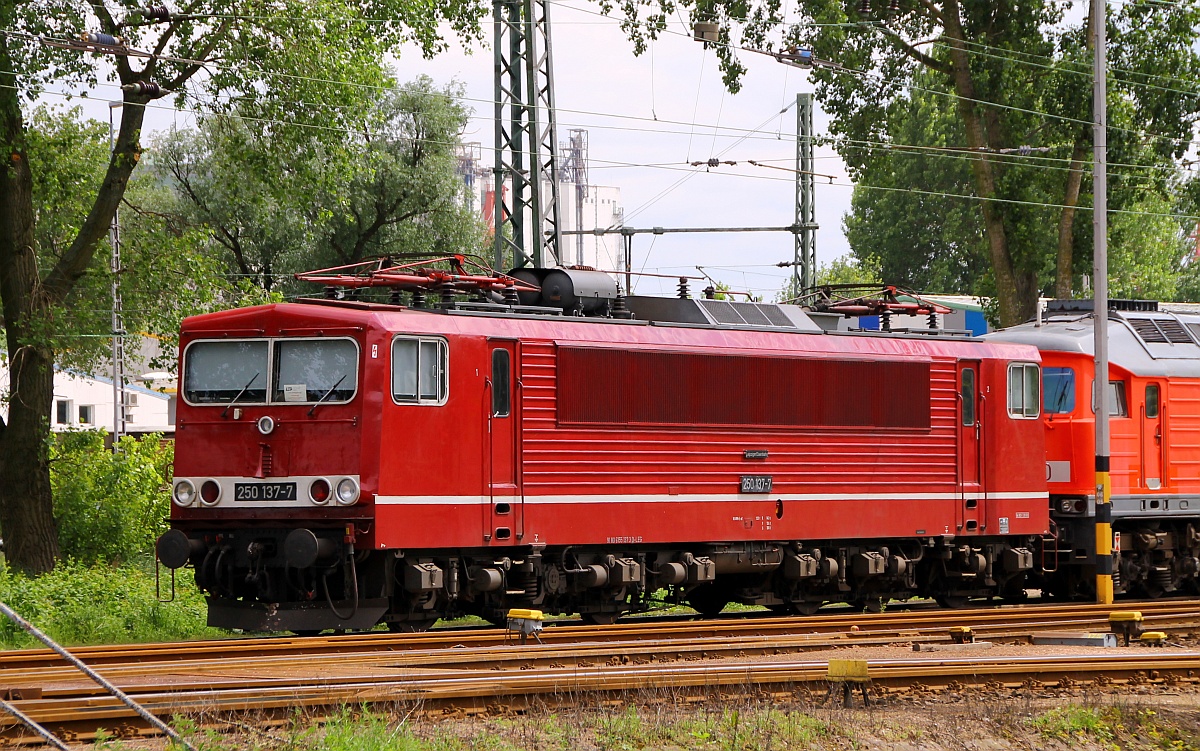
<point x="293" y="66"/>
<point x="1010" y="82"/>
<point x="393" y="188"/>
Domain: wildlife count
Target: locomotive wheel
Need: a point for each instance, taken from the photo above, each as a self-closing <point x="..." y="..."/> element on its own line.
<point x="868" y="605"/>
<point x="708" y="600"/>
<point x="606" y="618"/>
<point x="954" y="602"/>
<point x="806" y="607"/>
<point x="411" y="627"/>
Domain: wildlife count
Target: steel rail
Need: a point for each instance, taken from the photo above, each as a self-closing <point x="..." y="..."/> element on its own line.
<point x="992" y="621"/>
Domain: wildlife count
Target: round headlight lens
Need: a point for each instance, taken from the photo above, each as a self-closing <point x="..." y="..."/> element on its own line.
<point x="319" y="491"/>
<point x="210" y="492"/>
<point x="347" y="491"/>
<point x="184" y="493"/>
<point x="266" y="424"/>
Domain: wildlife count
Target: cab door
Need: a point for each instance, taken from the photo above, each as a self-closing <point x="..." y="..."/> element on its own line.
<point x="970" y="429"/>
<point x="1151" y="438"/>
<point x="503" y="420"/>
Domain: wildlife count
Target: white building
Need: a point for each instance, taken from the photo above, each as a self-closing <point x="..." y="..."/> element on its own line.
<point x="85" y="402"/>
<point x="601" y="209"/>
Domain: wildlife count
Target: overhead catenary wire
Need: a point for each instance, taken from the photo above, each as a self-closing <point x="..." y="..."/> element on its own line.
<point x="840" y="69"/>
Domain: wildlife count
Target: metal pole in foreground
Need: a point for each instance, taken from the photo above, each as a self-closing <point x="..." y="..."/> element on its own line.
<point x="50" y="738"/>
<point x="1104" y="538"/>
<point x="99" y="679"/>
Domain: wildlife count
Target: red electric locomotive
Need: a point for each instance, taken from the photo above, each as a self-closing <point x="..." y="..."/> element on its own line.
<point x="340" y="463"/>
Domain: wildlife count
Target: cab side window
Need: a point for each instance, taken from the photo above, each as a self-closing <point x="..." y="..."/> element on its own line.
<point x="419" y="370"/>
<point x="1024" y="390"/>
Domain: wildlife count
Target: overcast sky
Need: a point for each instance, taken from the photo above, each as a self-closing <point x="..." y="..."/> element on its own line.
<point x="668" y="108"/>
<point x="661" y="110"/>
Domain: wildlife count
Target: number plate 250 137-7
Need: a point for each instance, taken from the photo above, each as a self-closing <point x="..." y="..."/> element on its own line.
<point x="755" y="484"/>
<point x="264" y="491"/>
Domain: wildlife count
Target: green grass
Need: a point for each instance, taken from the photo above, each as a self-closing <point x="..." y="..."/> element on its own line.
<point x="82" y="605"/>
<point x="1070" y="722"/>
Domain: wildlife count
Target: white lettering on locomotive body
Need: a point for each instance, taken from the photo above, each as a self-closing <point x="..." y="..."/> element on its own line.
<point x="624" y="540"/>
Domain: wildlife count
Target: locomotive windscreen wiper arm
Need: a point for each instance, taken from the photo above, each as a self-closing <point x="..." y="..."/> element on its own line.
<point x="239" y="394"/>
<point x="326" y="395"/>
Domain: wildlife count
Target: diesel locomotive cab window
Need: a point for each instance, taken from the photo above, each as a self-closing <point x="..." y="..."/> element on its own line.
<point x="1152" y="401"/>
<point x="1118" y="405"/>
<point x="1058" y="391"/>
<point x="1024" y="390"/>
<point x="315" y="370"/>
<point x="419" y="370"/>
<point x="224" y="372"/>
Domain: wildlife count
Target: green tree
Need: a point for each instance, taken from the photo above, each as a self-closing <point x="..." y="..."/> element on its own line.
<point x="845" y="269"/>
<point x="273" y="62"/>
<point x="1010" y="75"/>
<point x="394" y="188"/>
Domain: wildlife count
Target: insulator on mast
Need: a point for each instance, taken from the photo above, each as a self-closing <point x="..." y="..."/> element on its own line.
<point x="156" y="13"/>
<point x="144" y="87"/>
<point x="99" y="37"/>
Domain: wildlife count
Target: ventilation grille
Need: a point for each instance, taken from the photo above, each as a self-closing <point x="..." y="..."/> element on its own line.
<point x="1160" y="330"/>
<point x="746" y="314"/>
<point x="622" y="387"/>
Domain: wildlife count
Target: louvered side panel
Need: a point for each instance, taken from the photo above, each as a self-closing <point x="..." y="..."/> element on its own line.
<point x="678" y="459"/>
<point x="1183" y="435"/>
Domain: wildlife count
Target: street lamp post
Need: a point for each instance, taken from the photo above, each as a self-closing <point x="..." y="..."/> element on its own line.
<point x="118" y="333"/>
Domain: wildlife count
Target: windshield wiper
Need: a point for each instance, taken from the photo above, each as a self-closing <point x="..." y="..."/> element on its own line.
<point x="326" y="395"/>
<point x="239" y="394"/>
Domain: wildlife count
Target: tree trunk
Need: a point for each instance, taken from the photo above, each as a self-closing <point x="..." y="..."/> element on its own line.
<point x="26" y="506"/>
<point x="1013" y="293"/>
<point x="1066" y="223"/>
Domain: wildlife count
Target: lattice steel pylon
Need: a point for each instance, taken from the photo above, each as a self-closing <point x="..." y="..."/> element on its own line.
<point x="526" y="222"/>
<point x="804" y="264"/>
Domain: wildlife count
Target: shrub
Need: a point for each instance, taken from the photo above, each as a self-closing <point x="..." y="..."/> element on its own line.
<point x="110" y="507"/>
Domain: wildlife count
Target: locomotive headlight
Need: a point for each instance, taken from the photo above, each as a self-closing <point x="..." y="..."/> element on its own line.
<point x="347" y="491"/>
<point x="210" y="493"/>
<point x="184" y="493"/>
<point x="266" y="424"/>
<point x="319" y="491"/>
<point x="1066" y="505"/>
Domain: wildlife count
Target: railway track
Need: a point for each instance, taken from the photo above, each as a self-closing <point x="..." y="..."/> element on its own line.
<point x="474" y="670"/>
<point x="913" y="622"/>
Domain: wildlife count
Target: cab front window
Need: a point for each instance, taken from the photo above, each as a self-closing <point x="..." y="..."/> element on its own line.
<point x="221" y="372"/>
<point x="270" y="371"/>
<point x="311" y="370"/>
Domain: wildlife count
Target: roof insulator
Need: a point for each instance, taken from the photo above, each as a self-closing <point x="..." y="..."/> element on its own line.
<point x="156" y="13"/>
<point x="864" y="7"/>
